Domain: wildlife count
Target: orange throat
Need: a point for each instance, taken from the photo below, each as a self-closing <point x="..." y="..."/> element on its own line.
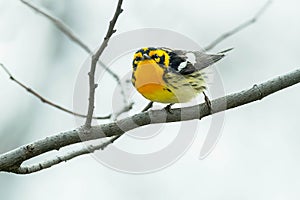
<point x="149" y="89"/>
<point x="149" y="77"/>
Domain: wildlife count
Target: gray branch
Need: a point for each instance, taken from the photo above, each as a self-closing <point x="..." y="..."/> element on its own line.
<point x="12" y="160"/>
<point x="95" y="58"/>
<point x="63" y="158"/>
<point x="238" y="28"/>
<point x="60" y="25"/>
<point x="45" y="100"/>
<point x="67" y="31"/>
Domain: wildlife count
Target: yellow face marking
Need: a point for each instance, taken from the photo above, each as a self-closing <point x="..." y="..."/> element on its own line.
<point x="159" y="54"/>
<point x="139" y="54"/>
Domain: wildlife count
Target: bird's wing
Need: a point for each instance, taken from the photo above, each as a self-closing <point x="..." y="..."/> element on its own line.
<point x="187" y="62"/>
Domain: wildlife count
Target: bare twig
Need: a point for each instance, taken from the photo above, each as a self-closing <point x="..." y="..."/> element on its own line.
<point x="238" y="28"/>
<point x="76" y="39"/>
<point x="70" y="34"/>
<point x="43" y="99"/>
<point x="95" y="59"/>
<point x="60" y="25"/>
<point x="64" y="158"/>
<point x="12" y="160"/>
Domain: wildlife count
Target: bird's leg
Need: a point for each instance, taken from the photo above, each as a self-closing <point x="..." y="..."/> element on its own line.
<point x="168" y="108"/>
<point x="150" y="104"/>
<point x="207" y="101"/>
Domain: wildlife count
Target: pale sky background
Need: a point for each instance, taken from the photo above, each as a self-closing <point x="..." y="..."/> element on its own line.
<point x="257" y="156"/>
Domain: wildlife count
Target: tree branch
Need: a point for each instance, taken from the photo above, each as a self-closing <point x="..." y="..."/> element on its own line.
<point x="43" y="99"/>
<point x="64" y="158"/>
<point x="73" y="37"/>
<point x="60" y="25"/>
<point x="238" y="28"/>
<point x="95" y="59"/>
<point x="12" y="160"/>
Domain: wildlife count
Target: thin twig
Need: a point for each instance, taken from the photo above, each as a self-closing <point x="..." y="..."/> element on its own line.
<point x="238" y="28"/>
<point x="95" y="59"/>
<point x="76" y="39"/>
<point x="64" y="158"/>
<point x="43" y="99"/>
<point x="70" y="34"/>
<point x="12" y="160"/>
<point x="60" y="25"/>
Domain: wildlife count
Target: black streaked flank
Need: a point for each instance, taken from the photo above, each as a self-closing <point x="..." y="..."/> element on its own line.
<point x="200" y="88"/>
<point x="168" y="90"/>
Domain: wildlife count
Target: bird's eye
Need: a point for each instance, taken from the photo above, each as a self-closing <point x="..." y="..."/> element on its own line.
<point x="137" y="58"/>
<point x="154" y="56"/>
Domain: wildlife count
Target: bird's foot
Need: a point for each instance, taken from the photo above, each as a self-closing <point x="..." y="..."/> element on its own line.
<point x="168" y="108"/>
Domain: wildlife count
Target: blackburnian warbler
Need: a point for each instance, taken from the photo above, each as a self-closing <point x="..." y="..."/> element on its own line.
<point x="171" y="76"/>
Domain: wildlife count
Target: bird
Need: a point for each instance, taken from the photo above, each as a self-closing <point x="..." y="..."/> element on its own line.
<point x="170" y="76"/>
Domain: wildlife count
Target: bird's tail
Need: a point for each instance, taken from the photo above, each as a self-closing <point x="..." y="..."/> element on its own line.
<point x="225" y="51"/>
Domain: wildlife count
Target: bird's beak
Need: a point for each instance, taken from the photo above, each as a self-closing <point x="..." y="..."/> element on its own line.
<point x="146" y="57"/>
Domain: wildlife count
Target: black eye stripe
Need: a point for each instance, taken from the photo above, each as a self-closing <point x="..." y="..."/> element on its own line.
<point x="154" y="56"/>
<point x="162" y="59"/>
